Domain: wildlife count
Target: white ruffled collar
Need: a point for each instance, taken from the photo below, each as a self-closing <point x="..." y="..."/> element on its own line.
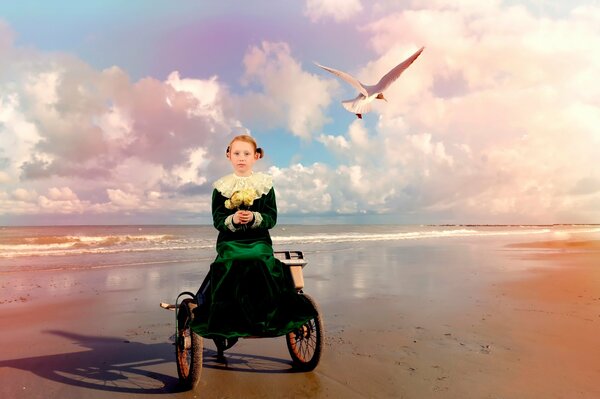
<point x="227" y="185"/>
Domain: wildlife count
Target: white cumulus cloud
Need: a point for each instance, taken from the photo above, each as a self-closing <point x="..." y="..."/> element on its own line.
<point x="338" y="10"/>
<point x="288" y="97"/>
<point x="497" y="120"/>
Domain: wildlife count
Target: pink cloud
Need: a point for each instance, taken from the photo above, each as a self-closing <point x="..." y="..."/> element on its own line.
<point x="338" y="10"/>
<point x="287" y="97"/>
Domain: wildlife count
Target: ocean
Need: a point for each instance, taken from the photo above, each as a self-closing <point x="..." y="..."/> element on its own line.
<point x="90" y="247"/>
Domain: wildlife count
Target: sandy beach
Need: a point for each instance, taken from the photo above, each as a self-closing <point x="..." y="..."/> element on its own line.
<point x="439" y="318"/>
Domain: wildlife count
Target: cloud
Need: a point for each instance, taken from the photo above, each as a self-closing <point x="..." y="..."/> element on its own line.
<point x="123" y="200"/>
<point x="62" y="201"/>
<point x="18" y="137"/>
<point x="496" y="120"/>
<point x="62" y="194"/>
<point x="287" y="96"/>
<point x="85" y="137"/>
<point x="20" y="194"/>
<point x="207" y="94"/>
<point x="338" y="10"/>
<point x="6" y="37"/>
<point x="4" y="177"/>
<point x="303" y="189"/>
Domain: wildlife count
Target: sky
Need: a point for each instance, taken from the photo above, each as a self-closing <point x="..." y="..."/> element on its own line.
<point x="118" y="112"/>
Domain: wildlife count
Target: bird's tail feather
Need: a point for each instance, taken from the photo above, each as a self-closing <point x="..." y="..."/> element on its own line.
<point x="357" y="106"/>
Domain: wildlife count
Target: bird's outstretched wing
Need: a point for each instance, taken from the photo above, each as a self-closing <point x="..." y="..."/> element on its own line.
<point x="347" y="77"/>
<point x="392" y="75"/>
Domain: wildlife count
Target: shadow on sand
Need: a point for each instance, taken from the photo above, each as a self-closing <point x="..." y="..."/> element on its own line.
<point x="243" y="362"/>
<point x="108" y="364"/>
<point x="118" y="365"/>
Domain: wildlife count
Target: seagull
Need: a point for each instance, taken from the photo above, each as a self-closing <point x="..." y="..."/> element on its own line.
<point x="362" y="103"/>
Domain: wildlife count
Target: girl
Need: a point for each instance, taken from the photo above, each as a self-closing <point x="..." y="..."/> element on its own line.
<point x="250" y="291"/>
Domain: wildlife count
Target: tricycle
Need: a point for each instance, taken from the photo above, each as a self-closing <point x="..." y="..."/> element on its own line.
<point x="305" y="344"/>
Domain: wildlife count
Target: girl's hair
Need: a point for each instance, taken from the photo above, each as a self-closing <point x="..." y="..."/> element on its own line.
<point x="247" y="139"/>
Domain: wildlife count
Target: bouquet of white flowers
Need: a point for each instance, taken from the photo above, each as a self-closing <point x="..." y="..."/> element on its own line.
<point x="241" y="199"/>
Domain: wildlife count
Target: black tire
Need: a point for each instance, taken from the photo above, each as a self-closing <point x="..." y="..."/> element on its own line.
<point x="306" y="343"/>
<point x="188" y="347"/>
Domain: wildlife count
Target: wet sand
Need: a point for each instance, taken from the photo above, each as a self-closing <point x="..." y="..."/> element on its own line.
<point x="445" y="318"/>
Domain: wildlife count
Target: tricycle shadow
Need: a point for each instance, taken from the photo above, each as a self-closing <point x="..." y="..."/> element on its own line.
<point x="248" y="363"/>
<point x="115" y="364"/>
<point x="108" y="364"/>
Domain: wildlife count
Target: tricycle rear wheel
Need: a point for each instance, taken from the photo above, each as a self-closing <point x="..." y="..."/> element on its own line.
<point x="188" y="346"/>
<point x="305" y="344"/>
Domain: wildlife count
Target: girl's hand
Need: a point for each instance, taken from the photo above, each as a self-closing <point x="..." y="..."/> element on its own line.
<point x="243" y="217"/>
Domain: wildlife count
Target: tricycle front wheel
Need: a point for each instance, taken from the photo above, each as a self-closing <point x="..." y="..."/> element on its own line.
<point x="188" y="346"/>
<point x="305" y="343"/>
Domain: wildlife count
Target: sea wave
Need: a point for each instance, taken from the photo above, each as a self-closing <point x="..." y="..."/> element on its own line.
<point x="68" y="245"/>
<point x="409" y="235"/>
<point x="415" y="235"/>
<point x="79" y="245"/>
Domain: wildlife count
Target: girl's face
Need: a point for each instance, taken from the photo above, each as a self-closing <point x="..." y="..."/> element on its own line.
<point x="242" y="157"/>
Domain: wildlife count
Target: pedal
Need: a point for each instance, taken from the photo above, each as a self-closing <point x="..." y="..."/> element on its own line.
<point x="167" y="306"/>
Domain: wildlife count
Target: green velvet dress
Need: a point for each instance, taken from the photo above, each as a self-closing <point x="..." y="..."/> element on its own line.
<point x="250" y="291"/>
